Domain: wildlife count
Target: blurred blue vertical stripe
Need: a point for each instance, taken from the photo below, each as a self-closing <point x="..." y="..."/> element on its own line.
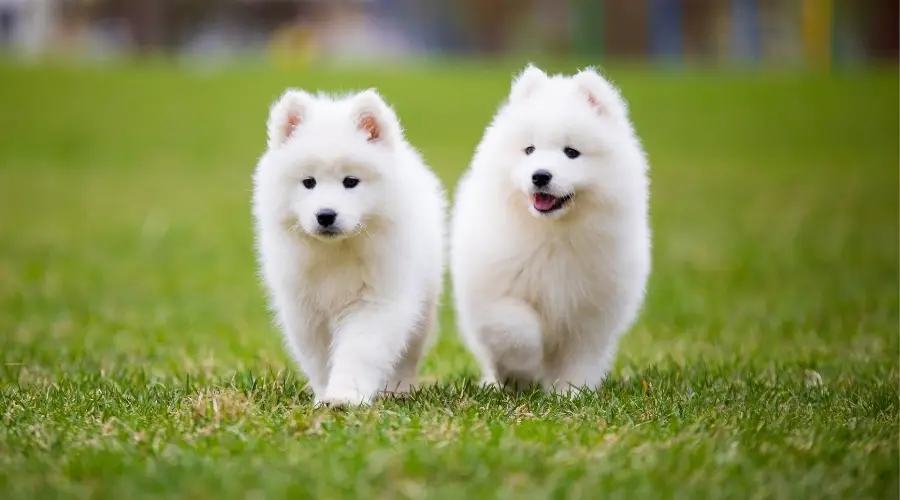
<point x="665" y="31"/>
<point x="745" y="33"/>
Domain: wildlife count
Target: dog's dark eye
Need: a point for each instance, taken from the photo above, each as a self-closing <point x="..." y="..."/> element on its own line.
<point x="529" y="150"/>
<point x="309" y="183"/>
<point x="350" y="182"/>
<point x="572" y="152"/>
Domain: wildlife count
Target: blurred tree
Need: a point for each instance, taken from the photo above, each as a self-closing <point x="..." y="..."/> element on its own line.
<point x="490" y="22"/>
<point x="883" y="34"/>
<point x="699" y="27"/>
<point x="625" y="28"/>
<point x="147" y="21"/>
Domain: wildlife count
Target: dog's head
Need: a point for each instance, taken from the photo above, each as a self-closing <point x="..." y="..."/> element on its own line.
<point x="328" y="162"/>
<point x="564" y="140"/>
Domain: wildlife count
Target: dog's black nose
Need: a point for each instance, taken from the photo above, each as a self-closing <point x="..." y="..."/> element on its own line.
<point x="541" y="178"/>
<point x="326" y="217"/>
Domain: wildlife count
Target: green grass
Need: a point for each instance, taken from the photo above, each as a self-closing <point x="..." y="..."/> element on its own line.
<point x="138" y="359"/>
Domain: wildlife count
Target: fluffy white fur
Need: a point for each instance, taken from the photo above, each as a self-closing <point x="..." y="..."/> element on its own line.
<point x="543" y="294"/>
<point x="357" y="300"/>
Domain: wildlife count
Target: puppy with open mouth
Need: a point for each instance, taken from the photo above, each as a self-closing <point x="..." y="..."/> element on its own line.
<point x="350" y="227"/>
<point x="550" y="240"/>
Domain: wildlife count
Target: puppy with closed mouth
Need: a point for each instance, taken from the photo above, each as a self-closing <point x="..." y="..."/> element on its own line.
<point x="349" y="225"/>
<point x="550" y="240"/>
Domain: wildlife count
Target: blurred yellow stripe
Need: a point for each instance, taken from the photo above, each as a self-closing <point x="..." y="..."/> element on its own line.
<point x="817" y="19"/>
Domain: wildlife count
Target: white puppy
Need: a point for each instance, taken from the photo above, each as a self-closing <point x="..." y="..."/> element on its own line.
<point x="350" y="230"/>
<point x="550" y="247"/>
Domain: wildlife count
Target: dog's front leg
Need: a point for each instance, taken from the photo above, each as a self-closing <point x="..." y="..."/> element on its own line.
<point x="307" y="339"/>
<point x="511" y="332"/>
<point x="582" y="364"/>
<point x="367" y="345"/>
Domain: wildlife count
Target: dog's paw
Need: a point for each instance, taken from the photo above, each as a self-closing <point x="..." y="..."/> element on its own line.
<point x="342" y="400"/>
<point x="566" y="390"/>
<point x="398" y="389"/>
<point x="332" y="405"/>
<point x="490" y="384"/>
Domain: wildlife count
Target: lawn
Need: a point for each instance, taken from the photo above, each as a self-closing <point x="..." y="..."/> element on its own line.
<point x="137" y="358"/>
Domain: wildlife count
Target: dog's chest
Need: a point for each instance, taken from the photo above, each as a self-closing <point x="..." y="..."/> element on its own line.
<point x="332" y="284"/>
<point x="565" y="278"/>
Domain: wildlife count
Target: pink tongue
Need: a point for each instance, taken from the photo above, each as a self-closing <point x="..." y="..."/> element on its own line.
<point x="544" y="202"/>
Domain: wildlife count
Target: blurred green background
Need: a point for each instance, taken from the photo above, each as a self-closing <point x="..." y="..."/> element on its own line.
<point x="126" y="208"/>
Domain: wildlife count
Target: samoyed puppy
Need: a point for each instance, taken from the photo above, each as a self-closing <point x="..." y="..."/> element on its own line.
<point x="550" y="245"/>
<point x="350" y="228"/>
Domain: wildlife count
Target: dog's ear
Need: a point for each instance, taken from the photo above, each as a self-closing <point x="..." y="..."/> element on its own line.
<point x="375" y="118"/>
<point x="286" y="115"/>
<point x="600" y="93"/>
<point x="526" y="81"/>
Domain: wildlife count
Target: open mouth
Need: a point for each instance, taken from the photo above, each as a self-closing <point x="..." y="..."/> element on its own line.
<point x="546" y="203"/>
